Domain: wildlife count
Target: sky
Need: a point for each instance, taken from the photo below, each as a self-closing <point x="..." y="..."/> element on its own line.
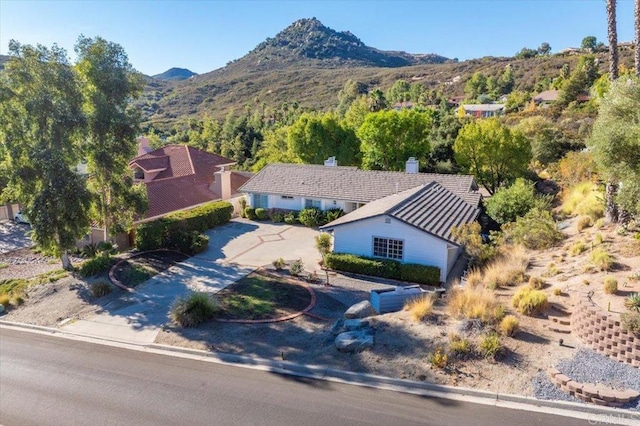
<point x="203" y="35"/>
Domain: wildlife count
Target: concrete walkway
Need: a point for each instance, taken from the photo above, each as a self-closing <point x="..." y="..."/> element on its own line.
<point x="234" y="251"/>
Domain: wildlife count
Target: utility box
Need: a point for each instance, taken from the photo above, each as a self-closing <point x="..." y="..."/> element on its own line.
<point x="392" y="300"/>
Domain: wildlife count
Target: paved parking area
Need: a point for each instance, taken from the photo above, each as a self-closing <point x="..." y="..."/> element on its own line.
<point x="234" y="250"/>
<point x="13" y="236"/>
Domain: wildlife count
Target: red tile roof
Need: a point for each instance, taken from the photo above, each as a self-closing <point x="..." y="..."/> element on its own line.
<point x="185" y="177"/>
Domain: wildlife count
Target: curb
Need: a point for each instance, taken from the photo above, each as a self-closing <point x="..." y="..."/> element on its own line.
<point x="560" y="408"/>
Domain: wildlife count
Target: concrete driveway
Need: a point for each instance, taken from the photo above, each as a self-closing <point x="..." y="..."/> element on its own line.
<point x="13" y="236"/>
<point x="234" y="251"/>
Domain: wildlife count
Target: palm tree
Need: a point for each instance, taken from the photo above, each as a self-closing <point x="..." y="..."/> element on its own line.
<point x="637" y="26"/>
<point x="613" y="39"/>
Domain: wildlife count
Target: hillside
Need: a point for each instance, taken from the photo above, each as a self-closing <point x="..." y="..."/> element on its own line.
<point x="309" y="63"/>
<point x="3" y="59"/>
<point x="175" y="74"/>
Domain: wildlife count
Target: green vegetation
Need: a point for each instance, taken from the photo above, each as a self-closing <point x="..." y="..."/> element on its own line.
<point x="584" y="199"/>
<point x="509" y="325"/>
<point x="261" y="214"/>
<point x="296" y="268"/>
<point x="601" y="259"/>
<point x="632" y="302"/>
<point x="490" y="345"/>
<point x="474" y="303"/>
<point x="193" y="309"/>
<point x="96" y="266"/>
<point x="529" y="301"/>
<point x="3" y="265"/>
<point x="439" y="358"/>
<point x="421" y="274"/>
<point x="278" y="264"/>
<point x="535" y="230"/>
<point x="17" y="287"/>
<point x="512" y="202"/>
<point x="459" y="347"/>
<point x="100" y="289"/>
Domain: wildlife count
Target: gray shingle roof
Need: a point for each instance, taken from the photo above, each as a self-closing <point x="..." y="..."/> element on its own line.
<point x="431" y="208"/>
<point x="350" y="183"/>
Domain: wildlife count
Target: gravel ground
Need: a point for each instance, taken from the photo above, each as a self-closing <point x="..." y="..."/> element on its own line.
<point x="588" y="366"/>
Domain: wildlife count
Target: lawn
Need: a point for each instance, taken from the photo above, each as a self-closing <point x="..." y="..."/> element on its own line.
<point x="260" y="297"/>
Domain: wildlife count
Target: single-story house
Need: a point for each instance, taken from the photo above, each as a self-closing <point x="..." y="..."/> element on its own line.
<point x="483" y="110"/>
<point x="405" y="216"/>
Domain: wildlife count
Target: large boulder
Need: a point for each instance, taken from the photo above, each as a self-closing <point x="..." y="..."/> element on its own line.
<point x="360" y="310"/>
<point x="342" y="325"/>
<point x="354" y="341"/>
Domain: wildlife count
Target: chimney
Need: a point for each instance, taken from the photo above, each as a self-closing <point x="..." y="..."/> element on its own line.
<point x="413" y="165"/>
<point x="222" y="183"/>
<point x="143" y="146"/>
<point x="331" y="162"/>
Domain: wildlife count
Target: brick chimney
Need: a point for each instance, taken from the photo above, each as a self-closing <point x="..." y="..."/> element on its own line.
<point x="413" y="165"/>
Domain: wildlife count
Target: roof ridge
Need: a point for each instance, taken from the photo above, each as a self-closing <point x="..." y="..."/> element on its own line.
<point x="186" y="147"/>
<point x="406" y="200"/>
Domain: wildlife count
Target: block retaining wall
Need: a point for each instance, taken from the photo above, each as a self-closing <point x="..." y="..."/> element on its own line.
<point x="603" y="333"/>
<point x="596" y="394"/>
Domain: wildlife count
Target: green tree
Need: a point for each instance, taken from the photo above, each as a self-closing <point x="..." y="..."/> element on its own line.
<point x="580" y="80"/>
<point x="548" y="143"/>
<point x="615" y="144"/>
<point x="275" y="149"/>
<point x="526" y="53"/>
<point x="349" y="93"/>
<point x="506" y="82"/>
<point x="589" y="43"/>
<point x="41" y="110"/>
<point x="475" y="86"/>
<point x="314" y="138"/>
<point x="512" y="202"/>
<point x="544" y="49"/>
<point x="493" y="153"/>
<point x="355" y="115"/>
<point x="109" y="83"/>
<point x="399" y="92"/>
<point x="389" y="138"/>
<point x="377" y="101"/>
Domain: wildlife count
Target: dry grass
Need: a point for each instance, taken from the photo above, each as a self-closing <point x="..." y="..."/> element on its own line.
<point x="508" y="269"/>
<point x="475" y="278"/>
<point x="601" y="259"/>
<point x="509" y="325"/>
<point x="598" y="239"/>
<point x="536" y="283"/>
<point x="420" y="308"/>
<point x="557" y="291"/>
<point x="583" y="223"/>
<point x="478" y="303"/>
<point x="610" y="285"/>
<point x="584" y="199"/>
<point x="577" y="248"/>
<point x="529" y="302"/>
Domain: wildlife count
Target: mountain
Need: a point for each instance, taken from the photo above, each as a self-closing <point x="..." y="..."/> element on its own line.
<point x="175" y="74"/>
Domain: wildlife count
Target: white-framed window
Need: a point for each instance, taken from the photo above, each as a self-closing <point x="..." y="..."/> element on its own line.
<point x="311" y="203"/>
<point x="388" y="248"/>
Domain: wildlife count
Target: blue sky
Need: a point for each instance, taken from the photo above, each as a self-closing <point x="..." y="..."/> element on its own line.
<point x="204" y="35"/>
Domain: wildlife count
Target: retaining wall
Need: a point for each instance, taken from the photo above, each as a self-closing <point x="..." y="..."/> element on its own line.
<point x="594" y="393"/>
<point x="603" y="333"/>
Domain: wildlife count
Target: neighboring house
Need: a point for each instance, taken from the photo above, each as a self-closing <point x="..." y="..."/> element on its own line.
<point x="547" y="97"/>
<point x="399" y="106"/>
<point x="405" y="216"/>
<point x="483" y="110"/>
<point x="180" y="177"/>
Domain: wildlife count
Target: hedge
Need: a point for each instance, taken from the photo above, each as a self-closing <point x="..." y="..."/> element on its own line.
<point x="182" y="231"/>
<point x="384" y="268"/>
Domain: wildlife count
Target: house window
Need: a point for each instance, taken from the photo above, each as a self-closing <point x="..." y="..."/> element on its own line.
<point x="138" y="173"/>
<point x="287" y="197"/>
<point x="260" y="201"/>
<point x="311" y="203"/>
<point x="387" y="247"/>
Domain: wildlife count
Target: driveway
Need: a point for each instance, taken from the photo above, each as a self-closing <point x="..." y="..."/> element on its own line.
<point x="13" y="236"/>
<point x="235" y="250"/>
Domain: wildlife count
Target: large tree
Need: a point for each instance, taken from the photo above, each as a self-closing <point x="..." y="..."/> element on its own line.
<point x="109" y="82"/>
<point x="389" y="138"/>
<point x="615" y="144"/>
<point x="493" y="153"/>
<point x="42" y="117"/>
<point x="637" y="31"/>
<point x="612" y="33"/>
<point x="314" y="138"/>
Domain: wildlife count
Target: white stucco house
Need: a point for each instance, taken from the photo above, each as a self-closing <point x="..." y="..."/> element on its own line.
<point x="404" y="216"/>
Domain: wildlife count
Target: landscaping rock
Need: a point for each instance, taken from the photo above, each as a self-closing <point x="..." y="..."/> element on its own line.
<point x="354" y="341"/>
<point x="360" y="310"/>
<point x="342" y="325"/>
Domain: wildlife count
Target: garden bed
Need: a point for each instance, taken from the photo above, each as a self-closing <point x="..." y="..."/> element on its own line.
<point x="141" y="267"/>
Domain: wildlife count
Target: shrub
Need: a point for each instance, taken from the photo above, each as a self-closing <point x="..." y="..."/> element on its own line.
<point x="552" y="270"/>
<point x="96" y="265"/>
<point x="439" y="358"/>
<point x="630" y="321"/>
<point x="474" y="303"/>
<point x="250" y="213"/>
<point x="311" y="217"/>
<point x="508" y="269"/>
<point x="459" y="346"/>
<point x="509" y="325"/>
<point x="535" y="230"/>
<point x="243" y="206"/>
<point x="261" y="214"/>
<point x="17" y="301"/>
<point x="632" y="302"/>
<point x="575" y="167"/>
<point x="610" y="285"/>
<point x="296" y="268"/>
<point x="490" y="345"/>
<point x="557" y="291"/>
<point x="421" y="274"/>
<point x="323" y="244"/>
<point x="90" y="250"/>
<point x="469" y="237"/>
<point x="5" y="300"/>
<point x="601" y="259"/>
<point x="474" y="278"/>
<point x="193" y="309"/>
<point x="333" y="214"/>
<point x="291" y="218"/>
<point x="599" y="224"/>
<point x="577" y="248"/>
<point x="277" y="216"/>
<point x="583" y="223"/>
<point x="420" y="307"/>
<point x="584" y="199"/>
<point x="529" y="301"/>
<point x="512" y="202"/>
<point x="598" y="239"/>
<point x="278" y="264"/>
<point x="536" y="283"/>
<point x="100" y="289"/>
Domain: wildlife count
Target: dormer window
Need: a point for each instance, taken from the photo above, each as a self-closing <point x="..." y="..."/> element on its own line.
<point x="138" y="173"/>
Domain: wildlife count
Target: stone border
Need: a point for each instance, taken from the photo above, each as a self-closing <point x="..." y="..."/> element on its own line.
<point x="597" y="394"/>
<point x="603" y="333"/>
<point x="286" y="317"/>
<point x="119" y="284"/>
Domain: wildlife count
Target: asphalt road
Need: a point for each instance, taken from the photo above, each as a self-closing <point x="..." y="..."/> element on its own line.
<point x="47" y="380"/>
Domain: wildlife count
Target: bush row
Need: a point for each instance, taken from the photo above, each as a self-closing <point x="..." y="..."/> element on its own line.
<point x="182" y="231"/>
<point x="310" y="217"/>
<point x="384" y="268"/>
